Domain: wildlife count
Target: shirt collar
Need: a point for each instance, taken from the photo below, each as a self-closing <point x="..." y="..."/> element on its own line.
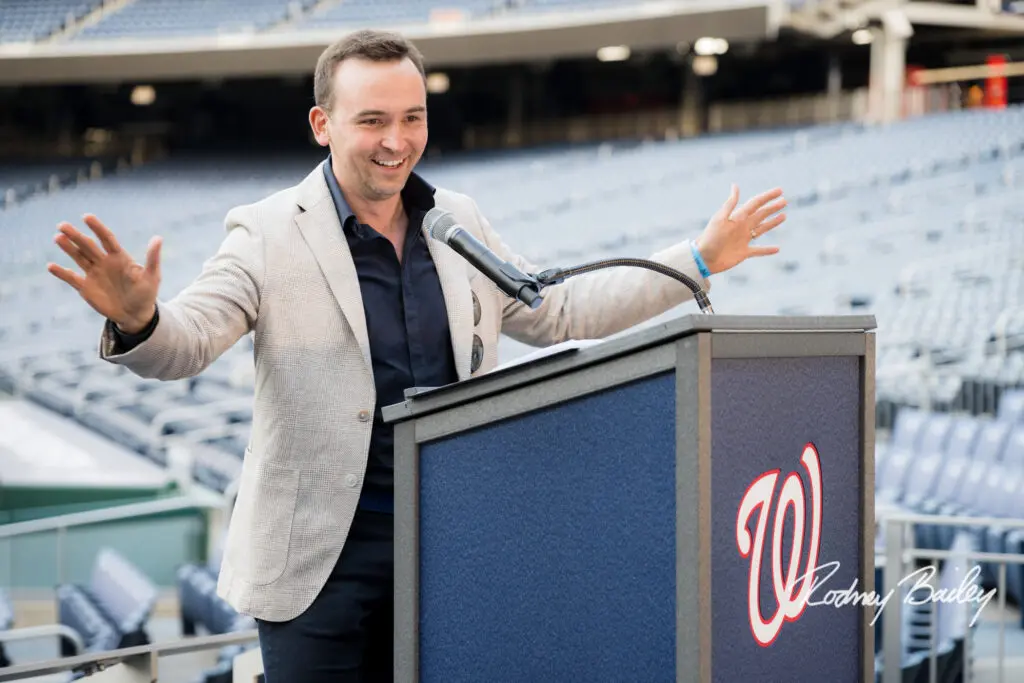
<point x="417" y="195"/>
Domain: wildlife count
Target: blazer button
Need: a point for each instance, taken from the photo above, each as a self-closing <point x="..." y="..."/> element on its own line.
<point x="351" y="480"/>
<point x="364" y="415"/>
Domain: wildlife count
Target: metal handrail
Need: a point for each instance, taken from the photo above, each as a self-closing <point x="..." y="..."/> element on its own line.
<point x="111" y="514"/>
<point x="101" y="660"/>
<point x="44" y="631"/>
<point x="897" y="554"/>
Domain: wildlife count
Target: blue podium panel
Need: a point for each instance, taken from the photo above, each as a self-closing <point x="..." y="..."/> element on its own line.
<point x="547" y="543"/>
<point x="785" y="468"/>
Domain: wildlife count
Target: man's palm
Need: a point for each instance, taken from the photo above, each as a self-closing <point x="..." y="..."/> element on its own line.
<point x="114" y="285"/>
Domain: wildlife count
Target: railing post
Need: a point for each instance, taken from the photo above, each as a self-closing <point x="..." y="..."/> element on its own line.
<point x="61" y="568"/>
<point x="892" y="635"/>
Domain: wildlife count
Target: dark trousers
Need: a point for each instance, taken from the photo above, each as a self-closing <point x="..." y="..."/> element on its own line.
<point x="347" y="634"/>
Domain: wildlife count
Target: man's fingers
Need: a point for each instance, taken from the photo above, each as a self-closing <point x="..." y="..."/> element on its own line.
<point x="765" y="211"/>
<point x="106" y="237"/>
<point x="153" y="256"/>
<point x="730" y="204"/>
<point x="762" y="251"/>
<point x="756" y="202"/>
<point x="69" y="248"/>
<point x="771" y="223"/>
<point x="84" y="243"/>
<point x="68" y="276"/>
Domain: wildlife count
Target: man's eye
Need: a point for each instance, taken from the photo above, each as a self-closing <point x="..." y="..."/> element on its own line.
<point x="413" y="117"/>
<point x="371" y="122"/>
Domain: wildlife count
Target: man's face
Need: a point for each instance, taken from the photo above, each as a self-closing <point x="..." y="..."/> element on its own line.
<point x="377" y="125"/>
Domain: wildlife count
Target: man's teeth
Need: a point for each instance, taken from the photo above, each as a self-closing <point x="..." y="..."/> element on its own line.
<point x="389" y="164"/>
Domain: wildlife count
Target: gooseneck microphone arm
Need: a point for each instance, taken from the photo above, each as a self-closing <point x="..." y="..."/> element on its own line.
<point x="554" y="276"/>
<point x="526" y="287"/>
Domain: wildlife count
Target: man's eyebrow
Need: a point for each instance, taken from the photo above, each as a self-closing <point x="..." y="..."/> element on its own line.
<point x="377" y="112"/>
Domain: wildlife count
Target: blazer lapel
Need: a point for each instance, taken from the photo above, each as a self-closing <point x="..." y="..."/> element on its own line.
<point x="458" y="296"/>
<point x="321" y="229"/>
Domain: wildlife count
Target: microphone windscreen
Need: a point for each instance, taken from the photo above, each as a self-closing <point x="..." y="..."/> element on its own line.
<point x="439" y="223"/>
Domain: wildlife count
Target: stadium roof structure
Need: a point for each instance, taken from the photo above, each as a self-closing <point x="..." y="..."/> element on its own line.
<point x="655" y="24"/>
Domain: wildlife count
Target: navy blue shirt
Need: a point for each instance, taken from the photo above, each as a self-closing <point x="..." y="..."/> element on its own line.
<point x="406" y="320"/>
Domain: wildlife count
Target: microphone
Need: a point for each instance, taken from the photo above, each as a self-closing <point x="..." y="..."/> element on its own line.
<point x="509" y="279"/>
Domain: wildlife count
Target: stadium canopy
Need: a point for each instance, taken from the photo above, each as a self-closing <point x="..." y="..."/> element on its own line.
<point x="644" y="26"/>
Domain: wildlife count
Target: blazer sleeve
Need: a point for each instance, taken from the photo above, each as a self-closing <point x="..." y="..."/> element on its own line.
<point x="207" y="317"/>
<point x="596" y="304"/>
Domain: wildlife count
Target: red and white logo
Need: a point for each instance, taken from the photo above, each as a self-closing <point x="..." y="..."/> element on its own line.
<point x="791" y="603"/>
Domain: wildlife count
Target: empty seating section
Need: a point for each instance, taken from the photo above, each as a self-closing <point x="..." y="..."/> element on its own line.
<point x="177" y="18"/>
<point x="927" y="237"/>
<point x="143" y="18"/>
<point x="112" y="610"/>
<point x="32" y="20"/>
<point x="959" y="464"/>
<point x="19" y="179"/>
<point x="377" y="12"/>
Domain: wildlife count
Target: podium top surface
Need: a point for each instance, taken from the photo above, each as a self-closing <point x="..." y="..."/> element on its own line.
<point x="421" y="401"/>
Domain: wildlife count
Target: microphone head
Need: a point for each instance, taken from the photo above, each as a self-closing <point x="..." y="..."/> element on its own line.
<point x="440" y="222"/>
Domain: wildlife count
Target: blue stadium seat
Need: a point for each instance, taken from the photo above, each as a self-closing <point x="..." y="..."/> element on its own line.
<point x="969" y="497"/>
<point x="201" y="606"/>
<point x="1011" y="407"/>
<point x="77" y="609"/>
<point x="112" y="610"/>
<point x="895" y="458"/>
<point x="1007" y="502"/>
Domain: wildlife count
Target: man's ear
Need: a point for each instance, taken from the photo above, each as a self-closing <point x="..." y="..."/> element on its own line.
<point x="318" y="121"/>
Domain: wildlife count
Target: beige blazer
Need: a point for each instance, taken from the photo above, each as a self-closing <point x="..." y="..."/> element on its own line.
<point x="284" y="272"/>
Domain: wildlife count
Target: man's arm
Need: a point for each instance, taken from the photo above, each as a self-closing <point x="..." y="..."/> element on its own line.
<point x="205" y="319"/>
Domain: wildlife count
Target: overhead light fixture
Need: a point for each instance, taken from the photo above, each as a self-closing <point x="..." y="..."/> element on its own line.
<point x="711" y="46"/>
<point x="613" y="53"/>
<point x="143" y="95"/>
<point x="705" y="65"/>
<point x="862" y="36"/>
<point x="437" y="83"/>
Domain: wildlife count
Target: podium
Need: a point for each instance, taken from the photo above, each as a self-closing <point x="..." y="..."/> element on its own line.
<point x="645" y="509"/>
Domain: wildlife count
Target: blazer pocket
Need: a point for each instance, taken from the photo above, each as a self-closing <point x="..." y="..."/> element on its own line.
<point x="275" y="492"/>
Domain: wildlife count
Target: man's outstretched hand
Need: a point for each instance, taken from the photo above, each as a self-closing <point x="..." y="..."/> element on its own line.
<point x="725" y="242"/>
<point x="115" y="285"/>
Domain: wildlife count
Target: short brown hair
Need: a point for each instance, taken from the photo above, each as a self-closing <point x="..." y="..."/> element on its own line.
<point x="376" y="46"/>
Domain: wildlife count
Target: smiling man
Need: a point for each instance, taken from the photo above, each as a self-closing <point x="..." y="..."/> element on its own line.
<point x="350" y="302"/>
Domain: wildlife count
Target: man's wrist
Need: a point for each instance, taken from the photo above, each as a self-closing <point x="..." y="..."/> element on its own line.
<point x="134" y="327"/>
<point x="699" y="258"/>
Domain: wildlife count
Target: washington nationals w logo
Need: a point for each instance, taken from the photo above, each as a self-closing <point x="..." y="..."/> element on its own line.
<point x="791" y="603"/>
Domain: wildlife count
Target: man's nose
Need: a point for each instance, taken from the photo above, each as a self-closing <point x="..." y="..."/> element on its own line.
<point x="392" y="139"/>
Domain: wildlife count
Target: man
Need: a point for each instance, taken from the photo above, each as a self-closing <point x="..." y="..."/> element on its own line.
<point x="351" y="302"/>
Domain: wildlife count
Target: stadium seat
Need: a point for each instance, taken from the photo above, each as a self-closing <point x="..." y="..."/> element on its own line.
<point x="895" y="458"/>
<point x="113" y="609"/>
<point x="202" y="607"/>
<point x="1011" y="407"/>
<point x="969" y="497"/>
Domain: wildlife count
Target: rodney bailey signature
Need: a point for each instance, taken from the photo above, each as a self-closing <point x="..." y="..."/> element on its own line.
<point x="967" y="592"/>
